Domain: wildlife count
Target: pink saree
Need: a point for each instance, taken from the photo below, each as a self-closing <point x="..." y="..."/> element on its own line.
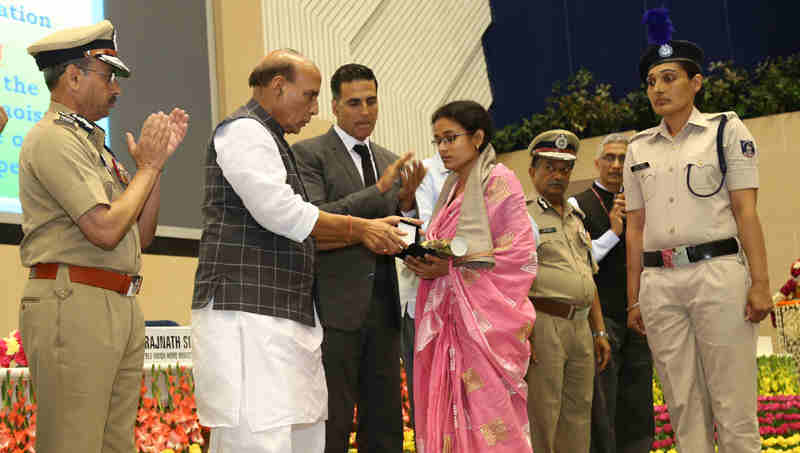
<point x="472" y="348"/>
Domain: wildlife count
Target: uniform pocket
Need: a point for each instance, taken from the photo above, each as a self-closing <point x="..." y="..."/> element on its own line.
<point x="704" y="177"/>
<point x="551" y="250"/>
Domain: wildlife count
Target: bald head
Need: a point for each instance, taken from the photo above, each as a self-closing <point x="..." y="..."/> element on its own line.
<point x="286" y="84"/>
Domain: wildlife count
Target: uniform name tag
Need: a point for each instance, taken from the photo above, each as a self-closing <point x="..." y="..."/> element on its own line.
<point x="641" y="166"/>
<point x="547" y="230"/>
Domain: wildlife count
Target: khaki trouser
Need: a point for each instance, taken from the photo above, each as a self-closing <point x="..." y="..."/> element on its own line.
<point x="704" y="352"/>
<point x="85" y="348"/>
<point x="560" y="385"/>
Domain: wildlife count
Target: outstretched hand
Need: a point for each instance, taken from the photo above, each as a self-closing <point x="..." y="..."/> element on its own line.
<point x="382" y="236"/>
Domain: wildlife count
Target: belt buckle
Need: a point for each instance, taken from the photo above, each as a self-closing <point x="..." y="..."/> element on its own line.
<point x="680" y="257"/>
<point x="134" y="286"/>
<point x="675" y="257"/>
<point x="666" y="257"/>
<point x="582" y="313"/>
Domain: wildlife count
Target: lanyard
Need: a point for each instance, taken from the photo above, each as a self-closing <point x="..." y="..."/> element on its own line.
<point x="601" y="201"/>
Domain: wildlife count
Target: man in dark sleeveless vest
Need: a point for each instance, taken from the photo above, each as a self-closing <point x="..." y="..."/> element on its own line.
<point x="622" y="410"/>
<point x="260" y="384"/>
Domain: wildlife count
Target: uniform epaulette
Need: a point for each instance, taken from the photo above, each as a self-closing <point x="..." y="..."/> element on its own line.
<point x="645" y="133"/>
<point x="542" y="203"/>
<point x="715" y="116"/>
<point x="74" y="120"/>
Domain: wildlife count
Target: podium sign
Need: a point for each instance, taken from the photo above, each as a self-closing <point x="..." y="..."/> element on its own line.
<point x="167" y="346"/>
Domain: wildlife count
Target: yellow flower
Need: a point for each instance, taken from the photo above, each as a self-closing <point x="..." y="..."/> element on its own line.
<point x="168" y="450"/>
<point x="12" y="345"/>
<point x="194" y="448"/>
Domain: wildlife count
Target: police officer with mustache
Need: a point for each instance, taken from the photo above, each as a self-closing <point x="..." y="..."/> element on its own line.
<point x="569" y="338"/>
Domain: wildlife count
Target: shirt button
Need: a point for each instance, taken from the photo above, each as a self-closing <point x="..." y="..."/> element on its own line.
<point x="672" y="230"/>
<point x="672" y="199"/>
<point x="670" y="169"/>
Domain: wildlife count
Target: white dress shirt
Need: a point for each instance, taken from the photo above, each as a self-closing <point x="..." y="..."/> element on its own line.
<point x="602" y="245"/>
<point x="350" y="142"/>
<point x="426" y="195"/>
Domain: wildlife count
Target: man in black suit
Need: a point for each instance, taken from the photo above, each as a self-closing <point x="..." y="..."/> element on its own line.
<point x="346" y="173"/>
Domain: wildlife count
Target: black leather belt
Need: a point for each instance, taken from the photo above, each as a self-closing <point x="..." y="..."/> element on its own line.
<point x="560" y="308"/>
<point x="691" y="254"/>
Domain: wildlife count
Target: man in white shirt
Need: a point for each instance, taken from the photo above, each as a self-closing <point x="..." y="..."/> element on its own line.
<point x="260" y="384"/>
<point x="347" y="173"/>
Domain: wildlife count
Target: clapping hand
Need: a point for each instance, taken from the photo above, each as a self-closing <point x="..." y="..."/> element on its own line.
<point x="411" y="177"/>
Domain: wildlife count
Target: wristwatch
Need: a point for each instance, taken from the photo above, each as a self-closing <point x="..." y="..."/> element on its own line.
<point x="600" y="333"/>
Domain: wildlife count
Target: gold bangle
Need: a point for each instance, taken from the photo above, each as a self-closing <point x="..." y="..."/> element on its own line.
<point x="631" y="307"/>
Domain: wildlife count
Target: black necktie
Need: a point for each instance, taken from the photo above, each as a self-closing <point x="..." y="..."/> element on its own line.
<point x="366" y="164"/>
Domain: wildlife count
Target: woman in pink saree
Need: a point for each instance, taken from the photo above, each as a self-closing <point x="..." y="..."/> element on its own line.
<point x="473" y="318"/>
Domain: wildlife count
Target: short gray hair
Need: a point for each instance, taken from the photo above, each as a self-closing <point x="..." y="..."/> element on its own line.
<point x="611" y="138"/>
<point x="53" y="73"/>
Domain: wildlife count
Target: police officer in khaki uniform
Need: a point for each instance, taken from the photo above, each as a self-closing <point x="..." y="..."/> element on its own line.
<point x="564" y="344"/>
<point x="85" y="220"/>
<point x="691" y="185"/>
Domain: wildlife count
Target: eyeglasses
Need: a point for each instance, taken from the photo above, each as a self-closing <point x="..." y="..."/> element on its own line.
<point x="447" y="139"/>
<point x="111" y="77"/>
<point x="610" y="158"/>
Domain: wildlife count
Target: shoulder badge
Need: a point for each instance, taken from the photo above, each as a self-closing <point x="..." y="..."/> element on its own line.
<point x="748" y="148"/>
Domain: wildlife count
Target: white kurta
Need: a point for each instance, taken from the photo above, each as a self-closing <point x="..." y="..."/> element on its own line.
<point x="268" y="369"/>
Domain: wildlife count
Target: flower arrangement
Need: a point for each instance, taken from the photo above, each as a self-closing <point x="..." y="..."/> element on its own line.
<point x="17" y="417"/>
<point x="168" y="423"/>
<point x="789" y="289"/>
<point x="11" y="352"/>
<point x="778" y="408"/>
<point x="167" y="419"/>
